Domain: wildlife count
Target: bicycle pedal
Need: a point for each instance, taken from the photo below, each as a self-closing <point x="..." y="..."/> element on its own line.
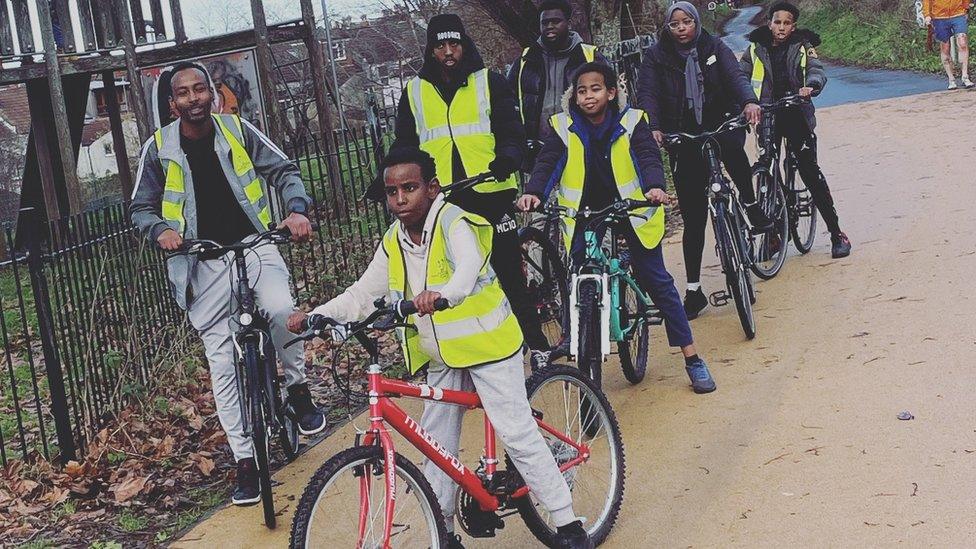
<point x="720" y="298"/>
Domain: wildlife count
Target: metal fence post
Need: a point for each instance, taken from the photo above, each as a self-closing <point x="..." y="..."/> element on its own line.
<point x="45" y="325"/>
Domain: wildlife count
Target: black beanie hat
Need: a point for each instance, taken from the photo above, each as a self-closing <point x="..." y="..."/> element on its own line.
<point x="785" y="6"/>
<point x="446" y="26"/>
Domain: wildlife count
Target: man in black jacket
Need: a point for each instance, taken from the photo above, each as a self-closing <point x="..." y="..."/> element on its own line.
<point x="782" y="61"/>
<point x="692" y="82"/>
<point x="464" y="116"/>
<point x="540" y="75"/>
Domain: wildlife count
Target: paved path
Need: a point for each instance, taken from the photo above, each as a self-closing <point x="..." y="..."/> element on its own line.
<point x="800" y="446"/>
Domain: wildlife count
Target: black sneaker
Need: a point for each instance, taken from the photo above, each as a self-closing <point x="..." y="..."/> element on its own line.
<point x="840" y="245"/>
<point x="248" y="491"/>
<point x="454" y="541"/>
<point x="572" y="536"/>
<point x="760" y="221"/>
<point x="311" y="420"/>
<point x="695" y="303"/>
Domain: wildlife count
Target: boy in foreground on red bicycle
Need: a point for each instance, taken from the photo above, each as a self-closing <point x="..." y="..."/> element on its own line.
<point x="437" y="250"/>
<point x="601" y="151"/>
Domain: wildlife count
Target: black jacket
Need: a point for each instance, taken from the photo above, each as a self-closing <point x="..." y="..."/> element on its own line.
<point x="551" y="162"/>
<point x="815" y="77"/>
<point x="505" y="122"/>
<point x="661" y="86"/>
<point x="534" y="82"/>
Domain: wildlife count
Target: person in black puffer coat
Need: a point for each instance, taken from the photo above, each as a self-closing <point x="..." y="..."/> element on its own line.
<point x="680" y="94"/>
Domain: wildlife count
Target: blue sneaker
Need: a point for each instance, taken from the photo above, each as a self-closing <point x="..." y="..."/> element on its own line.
<point x="701" y="379"/>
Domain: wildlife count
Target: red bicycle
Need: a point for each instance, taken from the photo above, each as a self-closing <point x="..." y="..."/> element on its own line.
<point x="372" y="496"/>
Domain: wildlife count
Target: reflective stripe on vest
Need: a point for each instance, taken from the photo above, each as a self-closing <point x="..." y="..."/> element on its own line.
<point x="465" y="124"/>
<point x="759" y="70"/>
<point x="589" y="54"/>
<point x="174" y="193"/>
<point x="479" y="330"/>
<point x="650" y="228"/>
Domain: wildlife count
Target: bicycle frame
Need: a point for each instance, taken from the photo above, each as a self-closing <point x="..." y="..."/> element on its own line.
<point x="605" y="270"/>
<point x="383" y="411"/>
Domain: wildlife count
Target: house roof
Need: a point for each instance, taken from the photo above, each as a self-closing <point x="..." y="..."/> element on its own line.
<point x="94" y="130"/>
<point x="14" y="108"/>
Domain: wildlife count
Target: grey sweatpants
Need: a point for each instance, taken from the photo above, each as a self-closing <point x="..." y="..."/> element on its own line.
<point x="211" y="312"/>
<point x="501" y="386"/>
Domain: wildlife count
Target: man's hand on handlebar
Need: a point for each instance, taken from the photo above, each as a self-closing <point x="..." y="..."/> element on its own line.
<point x="299" y="226"/>
<point x="752" y="113"/>
<point x="169" y="240"/>
<point x="295" y="322"/>
<point x="659" y="137"/>
<point x="424" y="301"/>
<point x="658" y="196"/>
<point x="528" y="202"/>
<point x="805" y="92"/>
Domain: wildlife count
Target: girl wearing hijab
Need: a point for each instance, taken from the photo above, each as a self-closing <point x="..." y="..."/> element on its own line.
<point x="691" y="82"/>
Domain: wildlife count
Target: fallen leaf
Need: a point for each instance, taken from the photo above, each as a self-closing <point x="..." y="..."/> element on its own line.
<point x="128" y="488"/>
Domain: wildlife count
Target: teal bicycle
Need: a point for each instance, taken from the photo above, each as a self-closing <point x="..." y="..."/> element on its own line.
<point x="607" y="305"/>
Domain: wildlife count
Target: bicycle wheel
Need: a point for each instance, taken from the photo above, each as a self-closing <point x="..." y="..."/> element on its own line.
<point x="259" y="433"/>
<point x="597" y="484"/>
<point x="736" y="275"/>
<point x="632" y="351"/>
<point x="803" y="222"/>
<point x="285" y="426"/>
<point x="344" y="505"/>
<point x="769" y="249"/>
<point x="546" y="282"/>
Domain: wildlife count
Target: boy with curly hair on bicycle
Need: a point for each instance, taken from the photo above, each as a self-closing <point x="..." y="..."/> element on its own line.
<point x="599" y="151"/>
<point x="437" y="250"/>
<point x="782" y="61"/>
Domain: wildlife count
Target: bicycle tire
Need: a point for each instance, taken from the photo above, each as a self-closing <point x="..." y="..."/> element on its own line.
<point x="600" y="526"/>
<point x="546" y="283"/>
<point x="632" y="351"/>
<point x="589" y="357"/>
<point x="803" y="235"/>
<point x="735" y="273"/>
<point x="769" y="249"/>
<point x="259" y="434"/>
<point x="363" y="456"/>
<point x="285" y="427"/>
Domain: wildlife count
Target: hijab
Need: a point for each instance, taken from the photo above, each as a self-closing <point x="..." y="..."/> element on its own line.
<point x="694" y="80"/>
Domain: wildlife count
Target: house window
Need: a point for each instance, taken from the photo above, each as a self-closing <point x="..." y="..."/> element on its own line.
<point x="383" y="74"/>
<point x="107" y="148"/>
<point x="339" y="50"/>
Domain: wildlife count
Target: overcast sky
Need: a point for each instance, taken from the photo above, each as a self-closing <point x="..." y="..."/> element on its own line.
<point x="211" y="17"/>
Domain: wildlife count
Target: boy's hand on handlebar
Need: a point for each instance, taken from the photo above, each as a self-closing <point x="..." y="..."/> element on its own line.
<point x="170" y="240"/>
<point x="752" y="113"/>
<point x="295" y="321"/>
<point x="658" y="196"/>
<point x="805" y="92"/>
<point x="528" y="202"/>
<point x="299" y="226"/>
<point x="424" y="301"/>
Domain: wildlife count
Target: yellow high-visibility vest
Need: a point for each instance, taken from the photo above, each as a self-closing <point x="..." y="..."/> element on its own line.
<point x="174" y="192"/>
<point x="479" y="330"/>
<point x="465" y="123"/>
<point x="759" y="70"/>
<point x="650" y="227"/>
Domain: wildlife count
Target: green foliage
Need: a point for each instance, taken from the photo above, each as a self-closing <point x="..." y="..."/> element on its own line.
<point x="131" y="522"/>
<point x="40" y="543"/>
<point x="115" y="458"/>
<point x="105" y="545"/>
<point x="66" y="509"/>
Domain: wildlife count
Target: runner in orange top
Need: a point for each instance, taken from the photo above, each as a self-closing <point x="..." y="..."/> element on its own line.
<point x="948" y="19"/>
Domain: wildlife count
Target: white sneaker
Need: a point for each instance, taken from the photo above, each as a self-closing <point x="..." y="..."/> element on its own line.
<point x="968" y="84"/>
<point x="952" y="85"/>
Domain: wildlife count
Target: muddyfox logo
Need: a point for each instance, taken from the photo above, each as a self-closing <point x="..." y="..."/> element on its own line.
<point x="454" y="461"/>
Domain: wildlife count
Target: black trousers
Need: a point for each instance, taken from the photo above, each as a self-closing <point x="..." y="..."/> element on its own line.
<point x="690" y="171"/>
<point x="792" y="126"/>
<point x="506" y="257"/>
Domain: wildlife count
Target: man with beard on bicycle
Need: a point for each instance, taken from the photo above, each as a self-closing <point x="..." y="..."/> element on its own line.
<point x="464" y="116"/>
<point x="690" y="82"/>
<point x="437" y="250"/>
<point x="782" y="61"/>
<point x="601" y="151"/>
<point x="206" y="176"/>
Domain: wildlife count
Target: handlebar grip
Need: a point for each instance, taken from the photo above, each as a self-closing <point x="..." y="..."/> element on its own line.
<point x="316" y="322"/>
<point x="406" y="308"/>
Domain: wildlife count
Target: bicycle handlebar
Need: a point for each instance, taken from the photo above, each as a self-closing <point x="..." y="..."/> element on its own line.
<point x="209" y="247"/>
<point x="467" y="183"/>
<point x="786" y="102"/>
<point x="731" y="124"/>
<point x="315" y="324"/>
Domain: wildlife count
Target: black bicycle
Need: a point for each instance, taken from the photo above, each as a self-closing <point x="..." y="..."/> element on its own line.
<point x="264" y="407"/>
<point x="733" y="232"/>
<point x="783" y="199"/>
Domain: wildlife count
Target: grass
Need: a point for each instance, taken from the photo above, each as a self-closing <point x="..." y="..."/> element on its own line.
<point x="131" y="522"/>
<point x="883" y="39"/>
